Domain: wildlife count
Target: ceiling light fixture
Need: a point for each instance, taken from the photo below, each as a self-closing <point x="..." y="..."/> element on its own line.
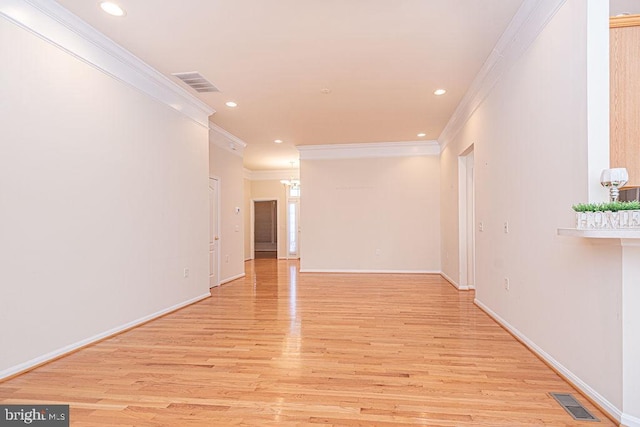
<point x="291" y="182"/>
<point x="112" y="8"/>
<point x="421" y="135"/>
<point x="439" y="92"/>
<point x="325" y="91"/>
<point x="231" y="104"/>
<point x="278" y="141"/>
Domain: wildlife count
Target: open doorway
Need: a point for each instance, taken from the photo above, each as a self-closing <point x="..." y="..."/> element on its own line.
<point x="265" y="236"/>
<point x="466" y="223"/>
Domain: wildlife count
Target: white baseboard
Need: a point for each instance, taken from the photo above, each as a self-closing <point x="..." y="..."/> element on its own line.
<point x="248" y="259"/>
<point x="231" y="279"/>
<point x="23" y="367"/>
<point x="453" y="282"/>
<point x="562" y="370"/>
<point x="630" y="420"/>
<point x="314" y="270"/>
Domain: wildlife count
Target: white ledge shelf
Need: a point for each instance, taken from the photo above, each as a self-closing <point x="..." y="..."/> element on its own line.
<point x="618" y="233"/>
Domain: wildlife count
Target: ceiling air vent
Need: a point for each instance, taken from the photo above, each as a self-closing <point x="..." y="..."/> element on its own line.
<point x="197" y="81"/>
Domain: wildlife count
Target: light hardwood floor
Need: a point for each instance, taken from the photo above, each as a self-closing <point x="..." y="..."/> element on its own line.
<point x="279" y="348"/>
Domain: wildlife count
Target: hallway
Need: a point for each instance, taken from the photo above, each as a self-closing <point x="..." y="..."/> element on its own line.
<point x="281" y="348"/>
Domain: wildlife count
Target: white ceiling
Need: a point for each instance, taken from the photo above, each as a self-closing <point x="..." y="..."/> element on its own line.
<point x="381" y="60"/>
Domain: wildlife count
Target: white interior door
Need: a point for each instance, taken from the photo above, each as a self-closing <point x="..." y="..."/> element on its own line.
<point x="214" y="236"/>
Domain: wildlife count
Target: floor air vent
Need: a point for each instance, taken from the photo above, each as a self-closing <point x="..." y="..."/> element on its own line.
<point x="573" y="407"/>
<point x="197" y="81"/>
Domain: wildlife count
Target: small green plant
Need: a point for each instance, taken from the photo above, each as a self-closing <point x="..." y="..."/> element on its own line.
<point x="607" y="206"/>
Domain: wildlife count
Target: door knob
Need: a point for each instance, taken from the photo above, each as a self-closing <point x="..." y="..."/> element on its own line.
<point x="216" y="238"/>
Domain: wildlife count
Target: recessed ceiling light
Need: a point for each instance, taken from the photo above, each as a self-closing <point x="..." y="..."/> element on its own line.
<point x="231" y="104"/>
<point x="278" y="141"/>
<point x="439" y="92"/>
<point x="112" y="8"/>
<point x="325" y="91"/>
<point x="420" y="135"/>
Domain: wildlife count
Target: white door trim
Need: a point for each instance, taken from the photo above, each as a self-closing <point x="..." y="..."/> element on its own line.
<point x="464" y="229"/>
<point x="296" y="201"/>
<point x="252" y="224"/>
<point x="217" y="205"/>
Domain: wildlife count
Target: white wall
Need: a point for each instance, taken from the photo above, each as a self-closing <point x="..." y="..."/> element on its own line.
<point x="227" y="166"/>
<point x="351" y="208"/>
<point x="103" y="202"/>
<point x="531" y="164"/>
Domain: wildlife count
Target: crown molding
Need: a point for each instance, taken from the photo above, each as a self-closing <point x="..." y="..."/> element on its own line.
<point x="229" y="141"/>
<point x="56" y="25"/>
<point x="366" y="150"/>
<point x="272" y="175"/>
<point x="524" y="28"/>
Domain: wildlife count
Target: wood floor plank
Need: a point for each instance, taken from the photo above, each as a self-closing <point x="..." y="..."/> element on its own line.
<point x="280" y="348"/>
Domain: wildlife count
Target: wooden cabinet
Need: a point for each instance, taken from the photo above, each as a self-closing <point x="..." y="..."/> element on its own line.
<point x="625" y="95"/>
